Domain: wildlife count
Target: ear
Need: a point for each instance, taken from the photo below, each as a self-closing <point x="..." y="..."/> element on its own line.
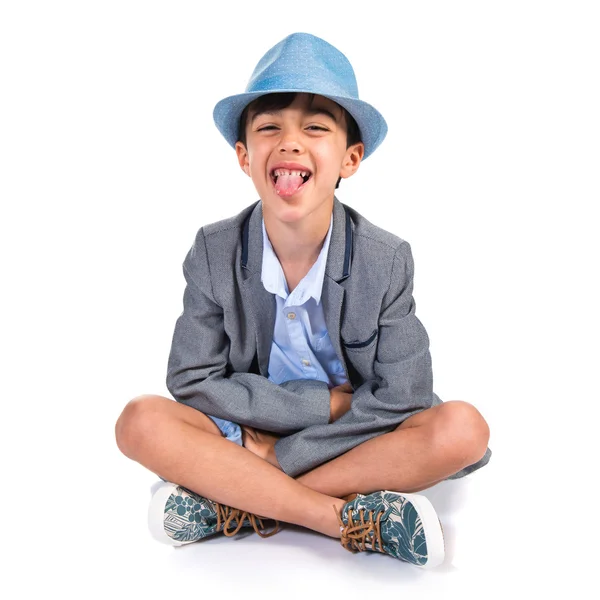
<point x="243" y="158"/>
<point x="352" y="159"/>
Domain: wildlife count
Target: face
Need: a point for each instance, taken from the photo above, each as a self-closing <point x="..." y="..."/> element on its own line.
<point x="296" y="155"/>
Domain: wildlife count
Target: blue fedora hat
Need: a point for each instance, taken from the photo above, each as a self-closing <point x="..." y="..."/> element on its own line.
<point x="302" y="62"/>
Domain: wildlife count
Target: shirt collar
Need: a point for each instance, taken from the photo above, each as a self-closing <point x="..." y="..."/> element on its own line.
<point x="273" y="277"/>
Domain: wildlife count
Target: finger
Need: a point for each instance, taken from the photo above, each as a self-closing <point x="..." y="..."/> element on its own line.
<point x="247" y="439"/>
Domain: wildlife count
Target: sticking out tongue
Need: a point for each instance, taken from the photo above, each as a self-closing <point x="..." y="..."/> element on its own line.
<point x="288" y="184"/>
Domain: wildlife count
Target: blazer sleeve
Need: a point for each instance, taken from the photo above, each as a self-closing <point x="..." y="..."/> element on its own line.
<point x="196" y="373"/>
<point x="401" y="387"/>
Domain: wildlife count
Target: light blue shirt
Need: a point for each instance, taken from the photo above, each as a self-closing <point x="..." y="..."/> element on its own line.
<point x="301" y="346"/>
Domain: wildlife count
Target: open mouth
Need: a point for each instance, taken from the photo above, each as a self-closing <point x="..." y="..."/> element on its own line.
<point x="288" y="181"/>
<point x="276" y="173"/>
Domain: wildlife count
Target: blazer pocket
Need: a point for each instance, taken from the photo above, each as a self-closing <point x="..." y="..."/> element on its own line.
<point x="360" y="358"/>
<point x="360" y="345"/>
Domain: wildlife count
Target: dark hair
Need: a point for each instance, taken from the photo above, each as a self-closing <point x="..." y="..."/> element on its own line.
<point x="279" y="101"/>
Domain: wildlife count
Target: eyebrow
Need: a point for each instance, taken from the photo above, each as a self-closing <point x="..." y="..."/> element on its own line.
<point x="310" y="112"/>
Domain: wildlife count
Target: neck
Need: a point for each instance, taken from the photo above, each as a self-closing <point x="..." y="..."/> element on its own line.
<point x="298" y="243"/>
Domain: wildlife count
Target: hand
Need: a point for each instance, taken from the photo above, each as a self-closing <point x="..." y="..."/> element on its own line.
<point x="261" y="443"/>
<point x="340" y="401"/>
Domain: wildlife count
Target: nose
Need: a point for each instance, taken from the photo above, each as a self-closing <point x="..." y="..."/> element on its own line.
<point x="289" y="142"/>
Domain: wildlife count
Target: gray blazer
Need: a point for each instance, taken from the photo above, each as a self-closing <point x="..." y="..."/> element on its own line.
<point x="219" y="359"/>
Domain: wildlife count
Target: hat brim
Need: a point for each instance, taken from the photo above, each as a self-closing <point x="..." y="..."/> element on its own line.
<point x="371" y="123"/>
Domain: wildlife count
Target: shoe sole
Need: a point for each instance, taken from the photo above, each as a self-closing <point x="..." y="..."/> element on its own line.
<point x="156" y="514"/>
<point x="434" y="535"/>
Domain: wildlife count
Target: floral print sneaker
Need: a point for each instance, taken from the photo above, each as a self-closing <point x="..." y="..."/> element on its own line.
<point x="178" y="516"/>
<point x="404" y="526"/>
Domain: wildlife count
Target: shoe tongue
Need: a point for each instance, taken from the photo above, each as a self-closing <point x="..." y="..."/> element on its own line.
<point x="288" y="184"/>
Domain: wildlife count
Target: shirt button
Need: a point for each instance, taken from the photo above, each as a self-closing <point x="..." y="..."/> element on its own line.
<point x="305" y="362"/>
<point x="291" y="315"/>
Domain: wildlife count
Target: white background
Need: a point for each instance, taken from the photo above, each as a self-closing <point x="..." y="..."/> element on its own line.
<point x="109" y="164"/>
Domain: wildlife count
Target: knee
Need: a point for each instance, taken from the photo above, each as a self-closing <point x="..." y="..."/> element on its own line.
<point x="462" y="432"/>
<point x="136" y="422"/>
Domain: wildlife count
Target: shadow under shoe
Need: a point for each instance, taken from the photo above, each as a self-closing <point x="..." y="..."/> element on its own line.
<point x="404" y="526"/>
<point x="178" y="516"/>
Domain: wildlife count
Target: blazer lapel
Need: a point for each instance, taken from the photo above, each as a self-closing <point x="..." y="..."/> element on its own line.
<point x="337" y="269"/>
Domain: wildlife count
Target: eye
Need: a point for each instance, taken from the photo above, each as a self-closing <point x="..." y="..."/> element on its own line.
<point x="266" y="128"/>
<point x="317" y="128"/>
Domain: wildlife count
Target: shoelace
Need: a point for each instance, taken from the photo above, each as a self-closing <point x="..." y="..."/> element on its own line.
<point x="356" y="535"/>
<point x="227" y="514"/>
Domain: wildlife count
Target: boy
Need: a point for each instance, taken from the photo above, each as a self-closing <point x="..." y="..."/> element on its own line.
<point x="298" y="342"/>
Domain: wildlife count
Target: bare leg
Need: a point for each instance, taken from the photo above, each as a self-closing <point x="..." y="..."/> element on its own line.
<point x="183" y="445"/>
<point x="423" y="450"/>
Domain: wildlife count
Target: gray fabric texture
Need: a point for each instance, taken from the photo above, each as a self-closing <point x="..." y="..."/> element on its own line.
<point x="220" y="350"/>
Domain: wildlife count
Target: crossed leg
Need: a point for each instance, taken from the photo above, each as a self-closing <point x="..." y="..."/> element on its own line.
<point x="422" y="451"/>
<point x="183" y="445"/>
